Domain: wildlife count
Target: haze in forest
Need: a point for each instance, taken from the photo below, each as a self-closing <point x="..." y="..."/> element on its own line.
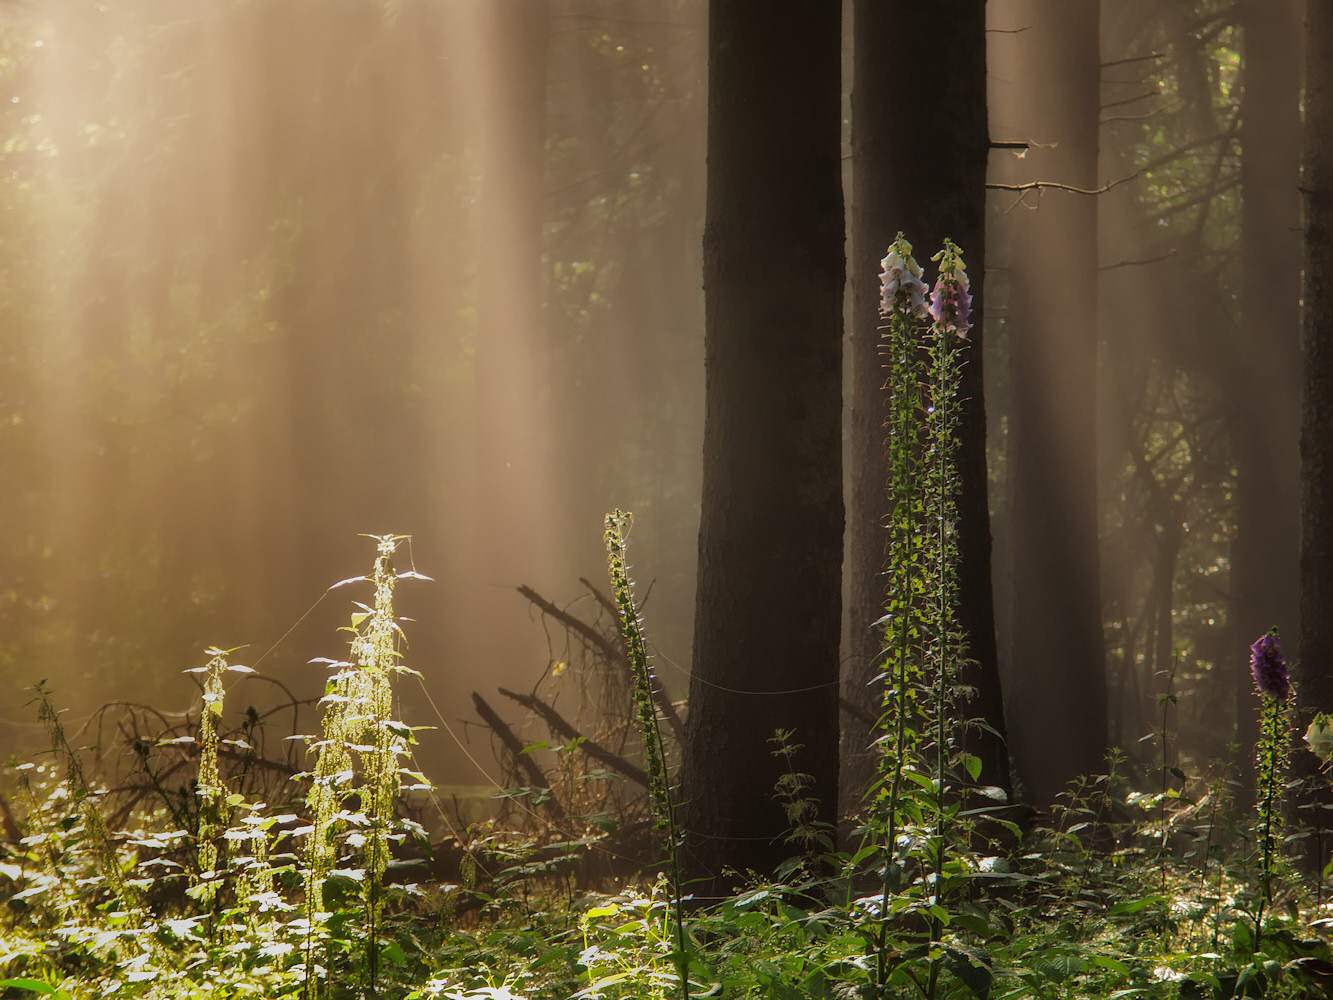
<point x="278" y="275"/>
<point x="282" y="274"/>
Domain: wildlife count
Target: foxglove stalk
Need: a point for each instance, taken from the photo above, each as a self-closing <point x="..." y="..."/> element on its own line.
<point x="1268" y="667"/>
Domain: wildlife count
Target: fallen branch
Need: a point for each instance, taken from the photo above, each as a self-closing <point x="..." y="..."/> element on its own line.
<point x="560" y="727"/>
<point x="524" y="762"/>
<point x="608" y="649"/>
<point x="578" y="626"/>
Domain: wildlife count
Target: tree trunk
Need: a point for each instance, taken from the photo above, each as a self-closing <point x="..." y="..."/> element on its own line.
<point x="923" y="174"/>
<point x="1056" y="701"/>
<point x="770" y="540"/>
<point x="1266" y="438"/>
<point x="1314" y="674"/>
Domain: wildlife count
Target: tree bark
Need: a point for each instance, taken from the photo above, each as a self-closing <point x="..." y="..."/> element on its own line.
<point x="1313" y="672"/>
<point x="768" y="602"/>
<point x="1056" y="700"/>
<point x="923" y="174"/>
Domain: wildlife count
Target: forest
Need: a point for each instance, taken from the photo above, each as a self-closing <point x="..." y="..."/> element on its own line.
<point x="616" y="499"/>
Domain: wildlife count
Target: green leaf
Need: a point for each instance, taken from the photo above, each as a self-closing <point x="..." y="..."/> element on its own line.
<point x="1058" y="968"/>
<point x="1106" y="962"/>
<point x="973" y="922"/>
<point x="600" y="985"/>
<point x="1135" y="905"/>
<point x="973" y="765"/>
<point x="973" y="967"/>
<point x="1242" y="940"/>
<point x="36" y="985"/>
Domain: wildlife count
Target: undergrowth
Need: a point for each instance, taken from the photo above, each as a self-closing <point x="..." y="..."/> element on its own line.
<point x="218" y="868"/>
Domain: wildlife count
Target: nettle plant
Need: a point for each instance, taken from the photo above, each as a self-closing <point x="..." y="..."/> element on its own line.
<point x="210" y="893"/>
<point x="358" y="773"/>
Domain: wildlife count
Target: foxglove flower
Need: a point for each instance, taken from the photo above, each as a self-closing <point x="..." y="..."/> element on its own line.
<point x="1269" y="667"/>
<point x="951" y="301"/>
<point x="900" y="281"/>
<point x="1319" y="737"/>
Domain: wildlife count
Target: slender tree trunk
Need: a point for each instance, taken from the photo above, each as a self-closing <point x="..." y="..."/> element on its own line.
<point x="923" y="174"/>
<point x="1314" y="670"/>
<point x="770" y="541"/>
<point x="1264" y="558"/>
<point x="1057" y="699"/>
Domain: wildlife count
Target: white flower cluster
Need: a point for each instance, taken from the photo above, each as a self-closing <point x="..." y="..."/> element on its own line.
<point x="1319" y="737"/>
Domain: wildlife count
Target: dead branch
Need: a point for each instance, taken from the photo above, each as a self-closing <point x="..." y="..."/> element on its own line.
<point x="560" y="727"/>
<point x="524" y="762"/>
<point x="610" y="650"/>
<point x="1042" y="185"/>
<point x="578" y="626"/>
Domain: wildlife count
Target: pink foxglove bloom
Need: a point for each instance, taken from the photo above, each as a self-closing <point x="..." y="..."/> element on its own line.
<point x="951" y="300"/>
<point x="900" y="281"/>
<point x="1269" y="667"/>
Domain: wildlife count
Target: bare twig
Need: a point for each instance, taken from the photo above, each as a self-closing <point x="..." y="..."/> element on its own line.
<point x="1135" y="263"/>
<point x="1133" y="59"/>
<point x="1056" y="185"/>
<point x="600" y="597"/>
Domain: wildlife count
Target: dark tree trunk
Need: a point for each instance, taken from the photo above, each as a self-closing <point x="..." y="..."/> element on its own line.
<point x="770" y="541"/>
<point x="923" y="174"/>
<point x="1266" y="438"/>
<point x="1056" y="701"/>
<point x="1314" y="673"/>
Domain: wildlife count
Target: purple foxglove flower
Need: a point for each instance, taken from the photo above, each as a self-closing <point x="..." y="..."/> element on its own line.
<point x="1269" y="667"/>
<point x="900" y="280"/>
<point x="951" y="300"/>
<point x="951" y="306"/>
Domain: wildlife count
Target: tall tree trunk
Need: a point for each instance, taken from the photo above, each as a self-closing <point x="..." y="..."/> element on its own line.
<point x="1264" y="558"/>
<point x="770" y="541"/>
<point x="1314" y="672"/>
<point x="923" y="174"/>
<point x="1057" y="697"/>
